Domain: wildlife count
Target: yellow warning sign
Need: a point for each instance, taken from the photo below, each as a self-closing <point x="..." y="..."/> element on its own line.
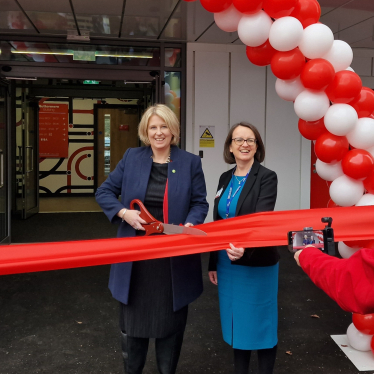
<point x="207" y="134"/>
<point x="207" y="137"/>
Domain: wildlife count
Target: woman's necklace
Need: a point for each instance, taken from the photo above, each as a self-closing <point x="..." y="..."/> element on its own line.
<point x="239" y="180"/>
<point x="167" y="160"/>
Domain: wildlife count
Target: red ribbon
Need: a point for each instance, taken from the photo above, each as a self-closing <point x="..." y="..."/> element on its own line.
<point x="254" y="230"/>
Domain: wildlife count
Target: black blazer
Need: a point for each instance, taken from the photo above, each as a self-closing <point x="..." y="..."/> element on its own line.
<point x="259" y="194"/>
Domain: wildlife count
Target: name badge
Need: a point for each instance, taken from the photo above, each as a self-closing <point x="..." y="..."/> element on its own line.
<point x="219" y="192"/>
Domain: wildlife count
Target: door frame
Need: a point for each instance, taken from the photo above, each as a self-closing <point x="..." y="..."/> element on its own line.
<point x="96" y="109"/>
<point x="7" y="164"/>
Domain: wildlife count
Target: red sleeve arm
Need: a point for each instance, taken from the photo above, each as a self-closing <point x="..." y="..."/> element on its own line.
<point x="350" y="282"/>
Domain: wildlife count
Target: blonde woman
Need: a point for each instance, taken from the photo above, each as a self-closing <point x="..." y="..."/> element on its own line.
<point x="154" y="294"/>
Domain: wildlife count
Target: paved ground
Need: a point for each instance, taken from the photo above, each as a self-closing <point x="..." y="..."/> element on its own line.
<point x="66" y="322"/>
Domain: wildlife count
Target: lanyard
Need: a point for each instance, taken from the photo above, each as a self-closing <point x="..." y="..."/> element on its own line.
<point x="229" y="197"/>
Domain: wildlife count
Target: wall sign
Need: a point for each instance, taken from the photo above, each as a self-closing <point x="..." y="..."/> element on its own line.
<point x="53" y="130"/>
<point x="206" y="137"/>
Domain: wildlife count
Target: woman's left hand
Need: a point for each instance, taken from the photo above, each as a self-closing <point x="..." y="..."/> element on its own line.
<point x="188" y="224"/>
<point x="234" y="253"/>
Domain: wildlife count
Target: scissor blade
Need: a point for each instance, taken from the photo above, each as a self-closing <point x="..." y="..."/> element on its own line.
<point x="174" y="229"/>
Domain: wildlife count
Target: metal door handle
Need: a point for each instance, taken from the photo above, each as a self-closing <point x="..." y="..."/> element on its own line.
<point x="2" y="168"/>
<point x="32" y="158"/>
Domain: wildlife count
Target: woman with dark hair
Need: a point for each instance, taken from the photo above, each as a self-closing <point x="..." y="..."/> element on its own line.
<point x="247" y="278"/>
<point x="154" y="295"/>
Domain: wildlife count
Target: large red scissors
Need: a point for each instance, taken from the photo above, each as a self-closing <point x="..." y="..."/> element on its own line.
<point x="156" y="227"/>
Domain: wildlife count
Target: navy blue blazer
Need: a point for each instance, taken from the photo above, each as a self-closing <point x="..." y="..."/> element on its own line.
<point x="186" y="201"/>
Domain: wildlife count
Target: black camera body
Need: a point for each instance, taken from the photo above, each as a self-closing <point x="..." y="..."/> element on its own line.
<point x="322" y="239"/>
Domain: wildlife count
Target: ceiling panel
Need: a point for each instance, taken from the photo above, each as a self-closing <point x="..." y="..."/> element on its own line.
<point x="176" y="29"/>
<point x="8" y="5"/>
<point x="350" y="20"/>
<point x="52" y="23"/>
<point x="99" y="25"/>
<point x="197" y="20"/>
<point x="214" y="33"/>
<point x="60" y="6"/>
<point x="343" y="18"/>
<point x="106" y="7"/>
<point x="358" y="32"/>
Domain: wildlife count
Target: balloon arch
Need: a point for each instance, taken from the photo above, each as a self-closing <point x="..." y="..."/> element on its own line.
<point x="313" y="71"/>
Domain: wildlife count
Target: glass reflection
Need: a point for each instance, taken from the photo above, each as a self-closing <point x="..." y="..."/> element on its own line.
<point x="140" y="27"/>
<point x="173" y="57"/>
<point x="14" y="20"/>
<point x="48" y="21"/>
<point x="173" y="92"/>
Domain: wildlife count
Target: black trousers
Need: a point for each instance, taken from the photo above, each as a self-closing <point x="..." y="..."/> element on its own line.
<point x="266" y="360"/>
<point x="134" y="352"/>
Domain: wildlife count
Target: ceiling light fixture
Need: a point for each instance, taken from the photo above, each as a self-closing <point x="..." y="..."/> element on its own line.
<point x="22" y="78"/>
<point x="97" y="54"/>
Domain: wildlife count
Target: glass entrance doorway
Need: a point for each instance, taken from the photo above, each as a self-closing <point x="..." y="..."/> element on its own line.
<point x="4" y="203"/>
<point x="27" y="194"/>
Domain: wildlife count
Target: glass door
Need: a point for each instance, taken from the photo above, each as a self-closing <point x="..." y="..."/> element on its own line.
<point x="27" y="155"/>
<point x="4" y="198"/>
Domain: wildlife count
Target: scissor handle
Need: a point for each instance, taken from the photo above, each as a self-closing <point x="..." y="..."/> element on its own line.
<point x="153" y="226"/>
<point x="143" y="211"/>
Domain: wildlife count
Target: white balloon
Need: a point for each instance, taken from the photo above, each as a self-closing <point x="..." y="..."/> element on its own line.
<point x="329" y="172"/>
<point x="362" y="135"/>
<point x="340" y="55"/>
<point x="358" y="340"/>
<point x="289" y="89"/>
<point x="346" y="191"/>
<point x="228" y="20"/>
<point x="167" y="88"/>
<point x="371" y="151"/>
<point x="316" y="41"/>
<point x="350" y="69"/>
<point x="169" y="98"/>
<point x="346" y="251"/>
<point x="311" y="105"/>
<point x="253" y="29"/>
<point x="367" y="199"/>
<point x="340" y="119"/>
<point x="286" y="33"/>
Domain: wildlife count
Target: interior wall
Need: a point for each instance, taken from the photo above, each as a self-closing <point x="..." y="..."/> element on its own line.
<point x="223" y="88"/>
<point x="75" y="174"/>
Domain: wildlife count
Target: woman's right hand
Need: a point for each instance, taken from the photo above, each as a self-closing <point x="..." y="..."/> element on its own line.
<point x="213" y="277"/>
<point x="132" y="217"/>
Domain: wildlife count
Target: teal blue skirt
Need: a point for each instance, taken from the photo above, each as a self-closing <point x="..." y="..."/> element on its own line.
<point x="248" y="304"/>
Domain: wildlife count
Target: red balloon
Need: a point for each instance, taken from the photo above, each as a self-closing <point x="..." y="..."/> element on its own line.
<point x="317" y="74"/>
<point x="279" y="8"/>
<point x="307" y="12"/>
<point x="248" y="7"/>
<point x="364" y="323"/>
<point x="331" y="148"/>
<point x="357" y="244"/>
<point x="189" y="1"/>
<point x="345" y="87"/>
<point x="261" y="55"/>
<point x="369" y="182"/>
<point x="287" y="65"/>
<point x="357" y="163"/>
<point x="331" y="204"/>
<point x="312" y="130"/>
<point x="215" y="6"/>
<point x="364" y="102"/>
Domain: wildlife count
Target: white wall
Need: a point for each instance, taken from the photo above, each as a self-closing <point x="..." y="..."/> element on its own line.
<point x="223" y="88"/>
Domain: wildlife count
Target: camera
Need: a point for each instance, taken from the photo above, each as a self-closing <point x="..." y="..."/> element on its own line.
<point x="322" y="239"/>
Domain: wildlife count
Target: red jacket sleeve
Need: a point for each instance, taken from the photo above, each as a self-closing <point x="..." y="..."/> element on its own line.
<point x="350" y="282"/>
